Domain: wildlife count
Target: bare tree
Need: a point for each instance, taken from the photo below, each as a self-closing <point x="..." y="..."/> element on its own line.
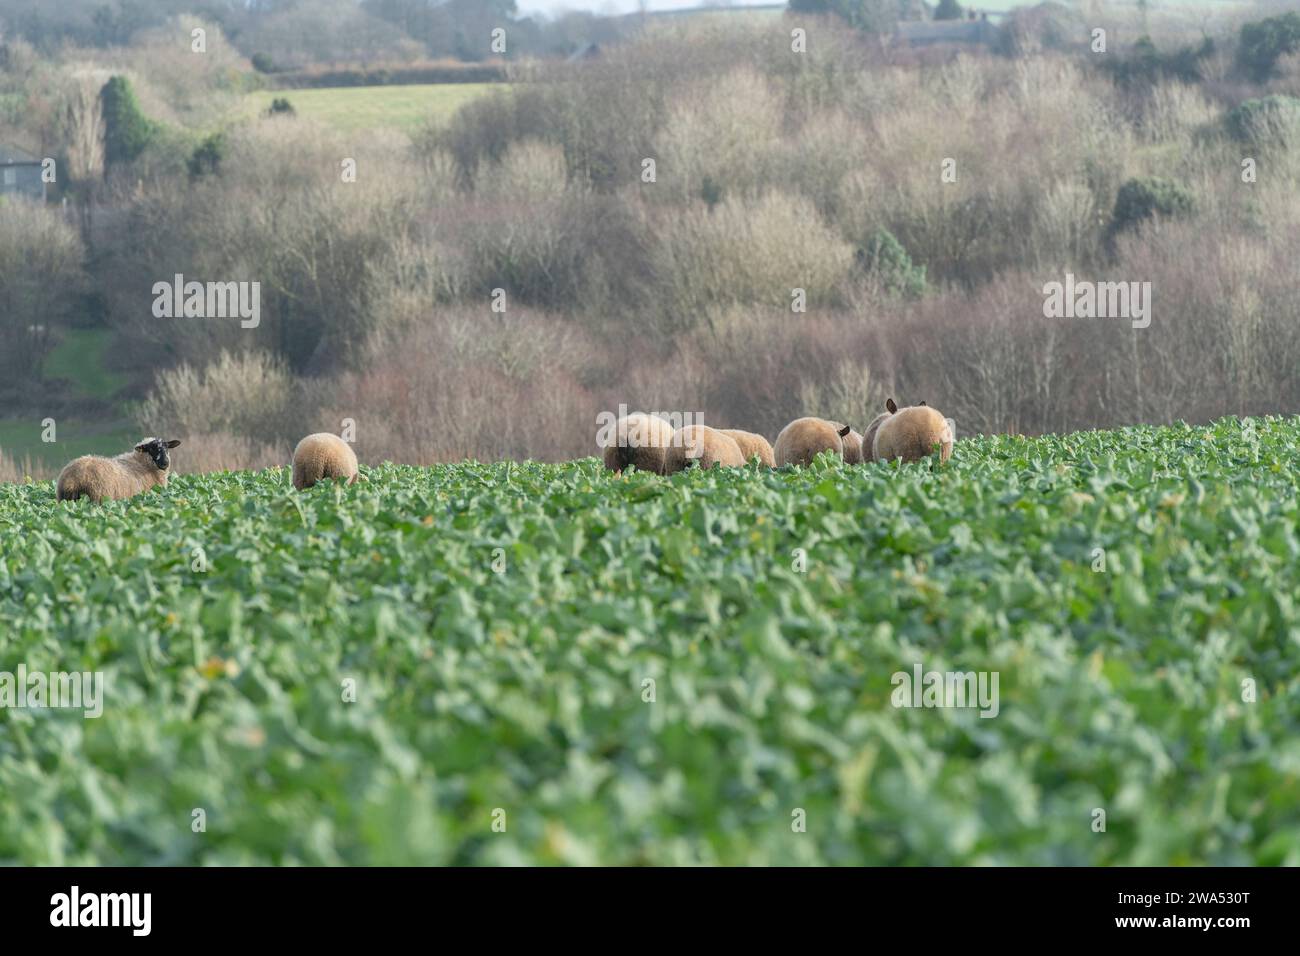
<point x="40" y="278"/>
<point x="83" y="128"/>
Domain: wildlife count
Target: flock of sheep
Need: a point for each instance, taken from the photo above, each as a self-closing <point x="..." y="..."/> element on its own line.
<point x="645" y="441"/>
<point x="651" y="444"/>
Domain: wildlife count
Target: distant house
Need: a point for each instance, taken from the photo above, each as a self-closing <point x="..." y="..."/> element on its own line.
<point x="978" y="32"/>
<point x="20" y="174"/>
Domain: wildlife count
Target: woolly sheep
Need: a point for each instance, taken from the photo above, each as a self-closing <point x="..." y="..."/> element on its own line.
<point x="699" y="443"/>
<point x="853" y="447"/>
<point x="869" y="436"/>
<point x="911" y="434"/>
<point x="116" y="478"/>
<point x="805" y="438"/>
<point x="321" y="456"/>
<point x="640" y="440"/>
<point x="752" y="446"/>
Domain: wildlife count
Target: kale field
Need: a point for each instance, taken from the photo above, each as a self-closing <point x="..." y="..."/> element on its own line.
<point x="528" y="663"/>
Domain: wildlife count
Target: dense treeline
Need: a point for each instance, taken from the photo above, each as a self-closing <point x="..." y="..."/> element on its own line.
<point x="816" y="231"/>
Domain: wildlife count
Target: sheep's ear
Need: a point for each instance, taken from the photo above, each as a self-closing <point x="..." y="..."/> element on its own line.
<point x="173" y="443"/>
<point x="142" y="446"/>
<point x="889" y="404"/>
<point x="845" y="431"/>
<point x="923" y="403"/>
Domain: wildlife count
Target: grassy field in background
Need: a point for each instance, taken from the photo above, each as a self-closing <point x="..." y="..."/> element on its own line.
<point x="22" y="439"/>
<point x="351" y="109"/>
<point x="79" y="359"/>
<point x="635" y="669"/>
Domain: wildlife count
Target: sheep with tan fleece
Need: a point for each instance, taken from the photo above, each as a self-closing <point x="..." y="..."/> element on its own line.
<point x="702" y="445"/>
<point x="853" y="450"/>
<point x="805" y="438"/>
<point x="90" y="476"/>
<point x="641" y="440"/>
<point x="913" y="433"/>
<point x="752" y="446"/>
<point x="322" y="456"/>
<point x="869" y="436"/>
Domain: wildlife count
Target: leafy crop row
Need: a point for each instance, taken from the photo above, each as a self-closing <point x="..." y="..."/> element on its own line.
<point x="518" y="680"/>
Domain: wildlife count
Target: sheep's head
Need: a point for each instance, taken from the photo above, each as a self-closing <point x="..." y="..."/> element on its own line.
<point x="156" y="449"/>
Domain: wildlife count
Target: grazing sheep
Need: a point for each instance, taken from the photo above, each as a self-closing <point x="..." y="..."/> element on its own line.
<point x="805" y="438"/>
<point x="321" y="456"/>
<point x="115" y="478"/>
<point x="703" y="445"/>
<point x="640" y="440"/>
<point x="752" y="446"/>
<point x="853" y="448"/>
<point x="912" y="433"/>
<point x="869" y="436"/>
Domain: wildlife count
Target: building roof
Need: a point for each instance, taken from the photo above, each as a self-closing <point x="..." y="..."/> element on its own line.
<point x="707" y="8"/>
<point x="945" y="31"/>
<point x="12" y="155"/>
<point x="719" y="8"/>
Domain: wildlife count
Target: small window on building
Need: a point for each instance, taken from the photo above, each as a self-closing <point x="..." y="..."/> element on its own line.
<point x="11" y="176"/>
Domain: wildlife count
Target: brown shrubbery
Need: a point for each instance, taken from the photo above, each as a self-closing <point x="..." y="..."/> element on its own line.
<point x="223" y="451"/>
<point x="250" y="394"/>
<point x="465" y="384"/>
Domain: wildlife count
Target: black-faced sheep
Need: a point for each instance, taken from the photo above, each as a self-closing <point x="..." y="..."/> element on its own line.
<point x="640" y="440"/>
<point x="115" y="478"/>
<point x="912" y="434"/>
<point x="805" y="438"/>
<point x="703" y="445"/>
<point x="752" y="446"/>
<point x="322" y="456"/>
